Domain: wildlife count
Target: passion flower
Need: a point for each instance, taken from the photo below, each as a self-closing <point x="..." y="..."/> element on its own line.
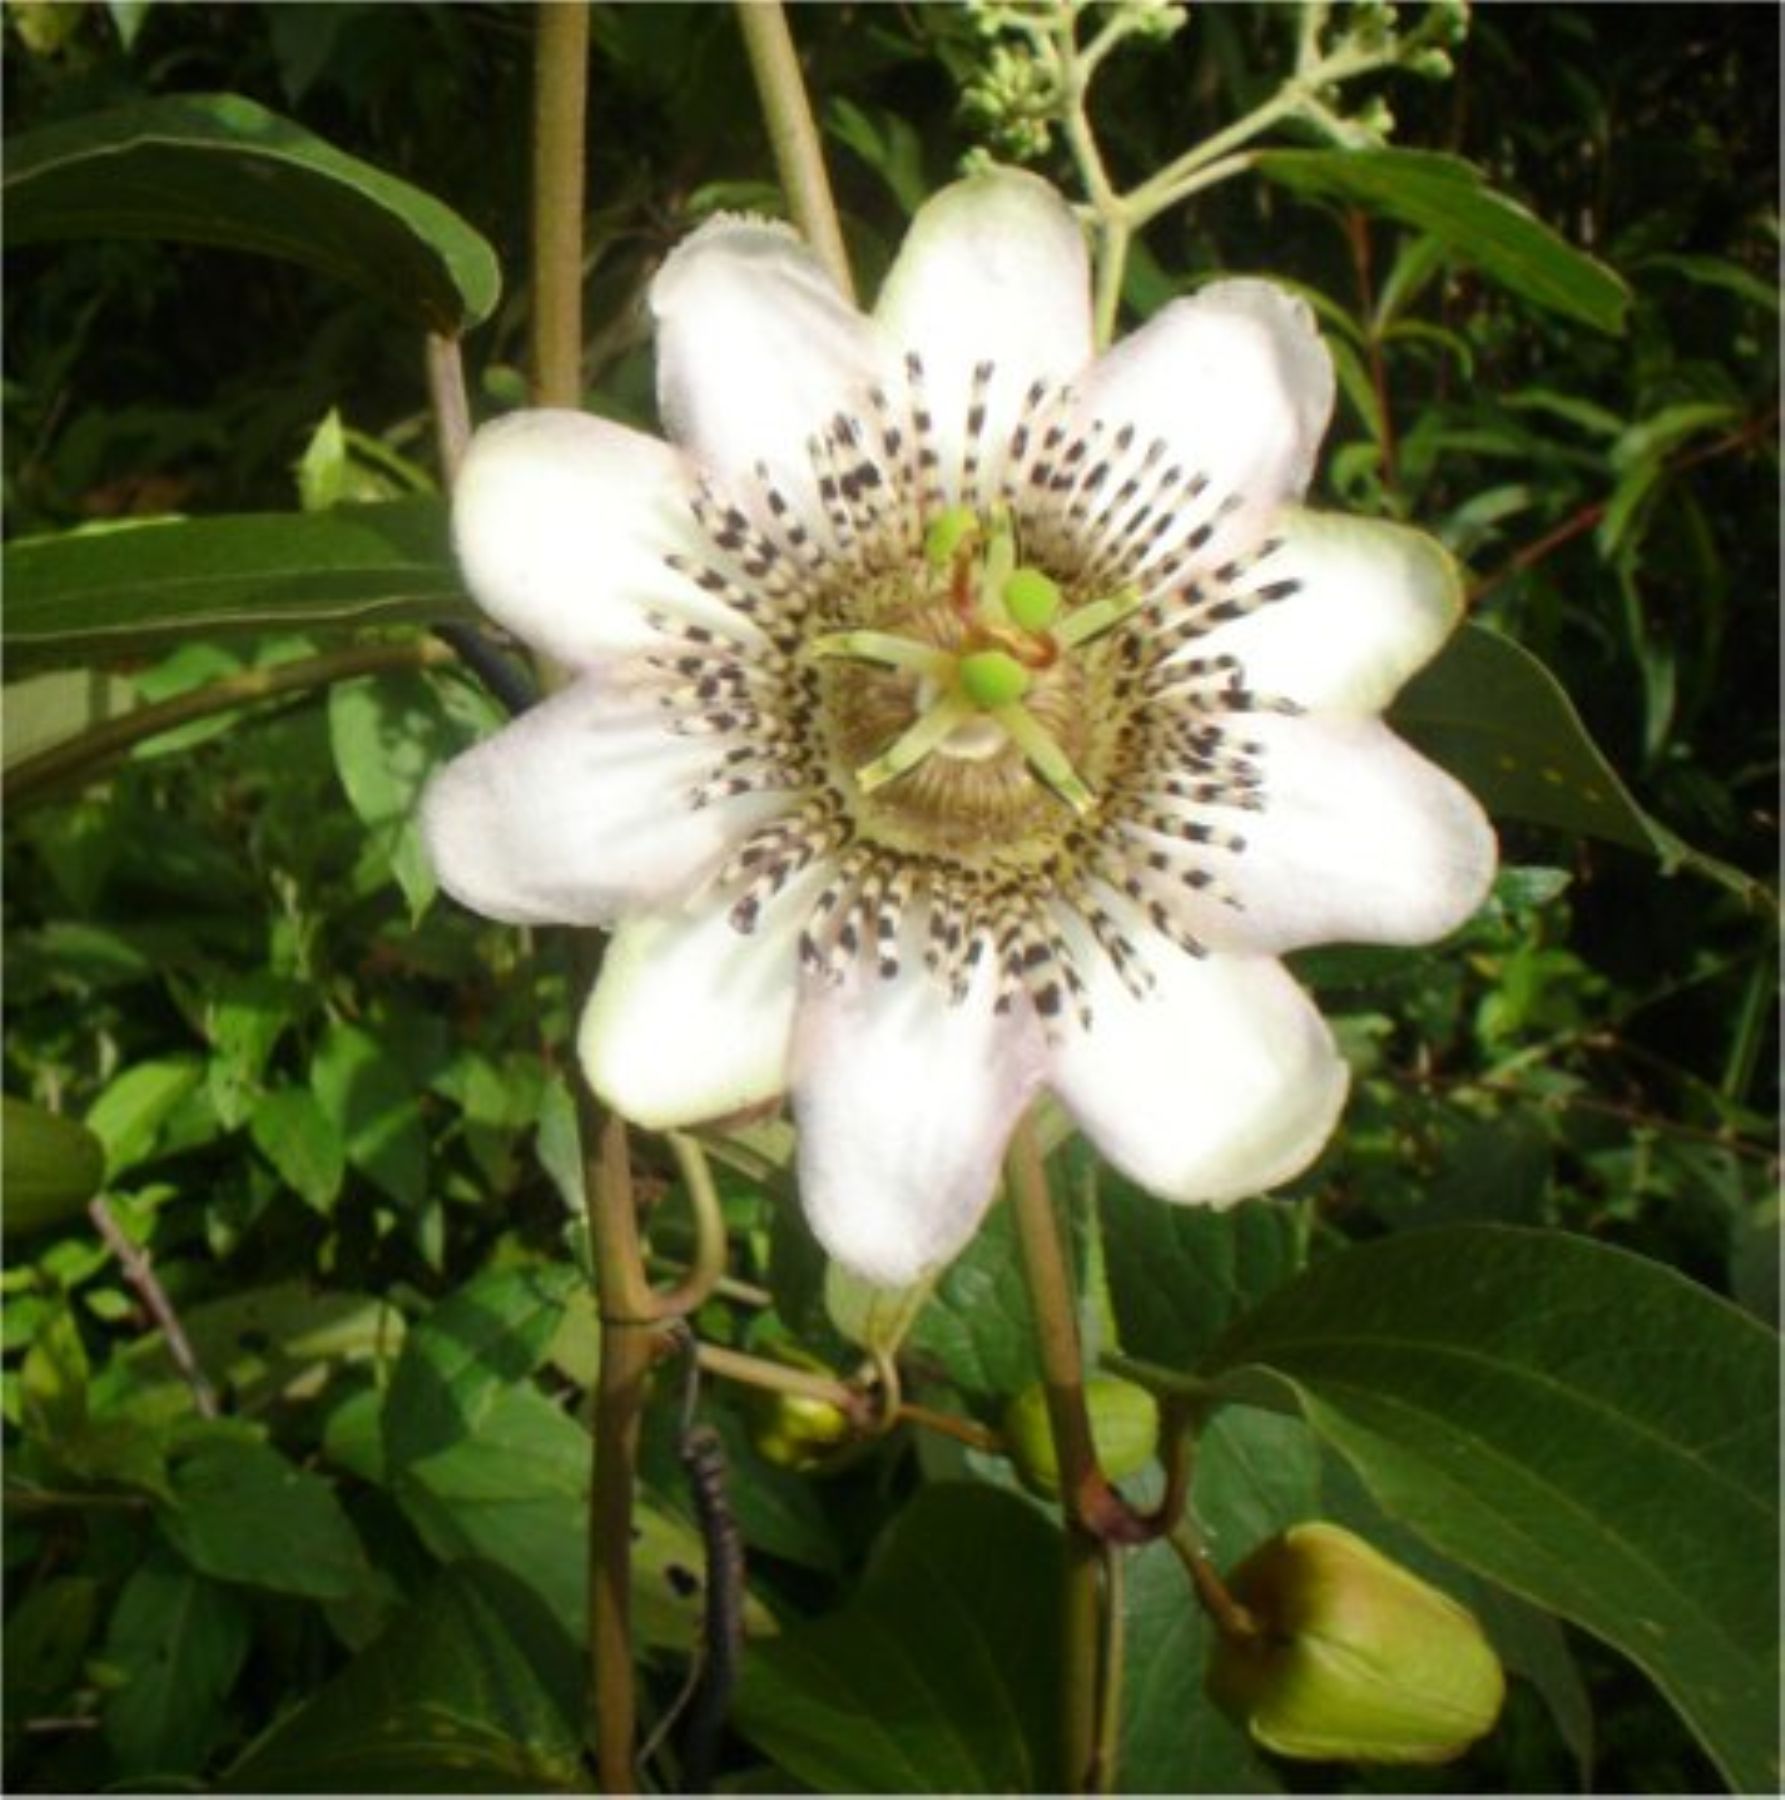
<point x="957" y="713"/>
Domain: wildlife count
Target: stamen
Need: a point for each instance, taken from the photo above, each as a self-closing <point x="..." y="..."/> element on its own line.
<point x="1087" y="623"/>
<point x="928" y="733"/>
<point x="886" y="650"/>
<point x="1045" y="757"/>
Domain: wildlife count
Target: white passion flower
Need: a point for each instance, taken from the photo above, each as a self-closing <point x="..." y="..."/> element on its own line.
<point x="957" y="714"/>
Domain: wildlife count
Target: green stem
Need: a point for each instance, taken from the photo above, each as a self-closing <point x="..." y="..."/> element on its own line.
<point x="560" y="107"/>
<point x="793" y="135"/>
<point x="1113" y="238"/>
<point x="1177" y="179"/>
<point x="1106" y="1750"/>
<point x="809" y="1384"/>
<point x="81" y="758"/>
<point x="1225" y="1613"/>
<point x="628" y="1349"/>
<point x="623" y="1293"/>
<point x="1082" y="1486"/>
<point x="708" y="1264"/>
<point x="1083" y="1675"/>
<point x="452" y="407"/>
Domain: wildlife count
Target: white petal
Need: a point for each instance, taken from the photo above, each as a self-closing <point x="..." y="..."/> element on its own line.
<point x="757" y="351"/>
<point x="563" y="524"/>
<point x="1374" y="603"/>
<point x="1222" y="1082"/>
<point x="691" y="1018"/>
<point x="993" y="270"/>
<point x="578" y="812"/>
<point x="1361" y="841"/>
<point x="904" y="1104"/>
<point x="1237" y="385"/>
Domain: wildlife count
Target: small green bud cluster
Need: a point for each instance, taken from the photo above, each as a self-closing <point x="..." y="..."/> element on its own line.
<point x="1371" y="25"/>
<point x="1156" y="20"/>
<point x="1375" y="118"/>
<point x="1015" y="98"/>
<point x="798" y="1431"/>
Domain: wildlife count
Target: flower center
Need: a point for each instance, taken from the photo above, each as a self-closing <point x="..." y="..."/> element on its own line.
<point x="966" y="697"/>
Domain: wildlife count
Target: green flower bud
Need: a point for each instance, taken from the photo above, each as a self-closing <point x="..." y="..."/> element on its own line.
<point x="1124" y="1430"/>
<point x="796" y="1431"/>
<point x="1356" y="1659"/>
<point x="992" y="678"/>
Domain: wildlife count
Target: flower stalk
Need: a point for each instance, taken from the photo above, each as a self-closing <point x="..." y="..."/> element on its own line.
<point x="1085" y="1677"/>
<point x="1319" y="68"/>
<point x="623" y="1294"/>
<point x="793" y="134"/>
<point x="560" y="108"/>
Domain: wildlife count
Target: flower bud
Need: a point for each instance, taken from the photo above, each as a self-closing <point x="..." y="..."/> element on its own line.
<point x="1356" y="1659"/>
<point x="797" y="1431"/>
<point x="1124" y="1431"/>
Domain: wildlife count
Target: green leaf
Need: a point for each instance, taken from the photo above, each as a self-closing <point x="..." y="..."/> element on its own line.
<point x="977" y="1324"/>
<point x="54" y="1379"/>
<point x="127" y="1118"/>
<point x="178" y="1641"/>
<point x="218" y="169"/>
<point x="940" y="1675"/>
<point x="470" y="1691"/>
<point x="458" y="1359"/>
<point x="259" y="1344"/>
<point x="1584" y="1427"/>
<point x="47" y="1634"/>
<point x="1447" y="197"/>
<point x="388" y="736"/>
<point x="301" y="1141"/>
<point x="1178" y="1274"/>
<point x="242" y="1512"/>
<point x="887" y="143"/>
<point x="378" y="1114"/>
<point x="100" y="594"/>
<point x="52" y="1166"/>
<point x="1497" y="719"/>
<point x="517" y="1495"/>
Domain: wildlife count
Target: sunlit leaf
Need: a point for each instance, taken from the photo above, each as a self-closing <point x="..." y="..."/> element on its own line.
<point x="459" y="1357"/>
<point x="242" y="1512"/>
<point x="53" y="1167"/>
